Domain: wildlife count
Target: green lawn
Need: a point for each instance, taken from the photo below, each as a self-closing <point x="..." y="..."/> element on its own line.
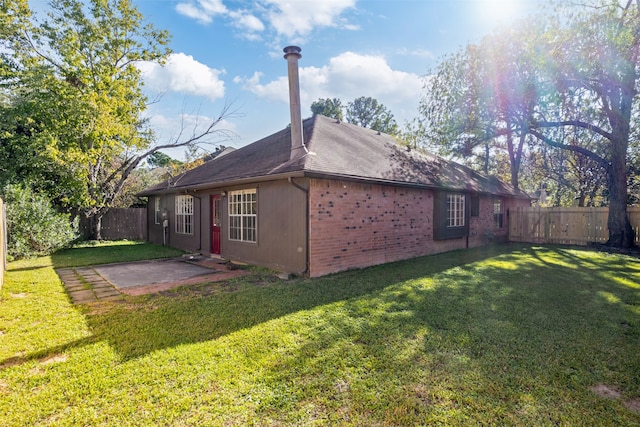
<point x="511" y="335"/>
<point x="110" y="252"/>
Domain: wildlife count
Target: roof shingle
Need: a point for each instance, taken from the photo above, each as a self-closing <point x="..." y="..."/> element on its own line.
<point x="341" y="150"/>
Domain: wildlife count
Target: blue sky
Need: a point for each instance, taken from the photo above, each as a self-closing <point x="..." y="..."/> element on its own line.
<point x="230" y="52"/>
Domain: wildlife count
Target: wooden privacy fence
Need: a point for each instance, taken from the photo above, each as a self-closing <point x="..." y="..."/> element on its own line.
<point x="120" y="223"/>
<point x="568" y="226"/>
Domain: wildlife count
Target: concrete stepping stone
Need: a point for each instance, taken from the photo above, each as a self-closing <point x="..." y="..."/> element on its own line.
<point x="80" y="297"/>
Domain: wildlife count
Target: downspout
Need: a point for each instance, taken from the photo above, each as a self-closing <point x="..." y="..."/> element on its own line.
<point x="306" y="192"/>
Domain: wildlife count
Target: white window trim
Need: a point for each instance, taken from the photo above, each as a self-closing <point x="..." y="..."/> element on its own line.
<point x="157" y="211"/>
<point x="243" y="211"/>
<point x="498" y="213"/>
<point x="455" y="210"/>
<point x="184" y="214"/>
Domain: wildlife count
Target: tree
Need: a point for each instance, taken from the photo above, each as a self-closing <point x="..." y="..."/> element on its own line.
<point x="329" y="107"/>
<point x="76" y="100"/>
<point x="592" y="60"/>
<point x="570" y="83"/>
<point x="479" y="101"/>
<point x="369" y="113"/>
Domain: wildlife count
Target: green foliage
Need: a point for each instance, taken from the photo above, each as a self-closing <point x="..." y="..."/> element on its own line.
<point x="364" y="111"/>
<point x="329" y="107"/>
<point x="161" y="160"/>
<point x="569" y="83"/>
<point x="33" y="226"/>
<point x="369" y="113"/>
<point x="94" y="253"/>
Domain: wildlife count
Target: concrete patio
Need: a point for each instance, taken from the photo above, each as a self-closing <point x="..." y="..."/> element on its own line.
<point x="109" y="282"/>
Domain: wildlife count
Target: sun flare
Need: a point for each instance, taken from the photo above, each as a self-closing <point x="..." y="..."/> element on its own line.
<point x="499" y="11"/>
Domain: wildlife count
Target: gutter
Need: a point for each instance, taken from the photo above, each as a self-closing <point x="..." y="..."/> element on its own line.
<point x="229" y="183"/>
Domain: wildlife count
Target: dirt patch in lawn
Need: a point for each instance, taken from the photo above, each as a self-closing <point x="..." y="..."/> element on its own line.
<point x="606" y="391"/>
<point x="633" y="405"/>
<point x="613" y="393"/>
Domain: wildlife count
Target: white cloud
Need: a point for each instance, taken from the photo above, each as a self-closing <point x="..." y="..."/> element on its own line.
<point x="299" y="18"/>
<point x="347" y="76"/>
<point x="202" y="11"/>
<point x="246" y="21"/>
<point x="185" y="75"/>
<point x="293" y="19"/>
<point x="422" y="53"/>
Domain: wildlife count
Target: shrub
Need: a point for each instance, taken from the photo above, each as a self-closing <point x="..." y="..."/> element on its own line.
<point x="34" y="227"/>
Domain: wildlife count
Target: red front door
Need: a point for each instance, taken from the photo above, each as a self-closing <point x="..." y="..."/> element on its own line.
<point x="215" y="223"/>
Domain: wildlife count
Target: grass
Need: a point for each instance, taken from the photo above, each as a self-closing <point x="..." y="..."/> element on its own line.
<point x="513" y="335"/>
<point x="93" y="253"/>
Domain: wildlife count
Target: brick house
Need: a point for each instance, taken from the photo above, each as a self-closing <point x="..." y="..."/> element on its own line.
<point x="323" y="196"/>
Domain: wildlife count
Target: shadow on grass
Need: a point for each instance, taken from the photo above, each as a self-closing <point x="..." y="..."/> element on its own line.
<point x="136" y="327"/>
<point x="519" y="285"/>
<point x="518" y="338"/>
<point x="508" y="335"/>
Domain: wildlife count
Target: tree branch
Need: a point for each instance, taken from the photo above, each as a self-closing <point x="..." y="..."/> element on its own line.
<point x="575" y="123"/>
<point x="575" y="148"/>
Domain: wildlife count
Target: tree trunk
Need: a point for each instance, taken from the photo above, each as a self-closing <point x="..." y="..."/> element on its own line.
<point x="621" y="234"/>
<point x="95" y="226"/>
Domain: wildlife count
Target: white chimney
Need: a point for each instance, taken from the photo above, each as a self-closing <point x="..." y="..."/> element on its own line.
<point x="292" y="54"/>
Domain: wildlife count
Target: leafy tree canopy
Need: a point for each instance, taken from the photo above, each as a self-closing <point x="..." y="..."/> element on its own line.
<point x="72" y="120"/>
<point x="329" y="107"/>
<point x="364" y="111"/>
<point x="369" y="113"/>
<point x="570" y="83"/>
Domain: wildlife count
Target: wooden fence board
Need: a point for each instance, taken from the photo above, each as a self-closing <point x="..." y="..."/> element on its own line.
<point x="121" y="223"/>
<point x="570" y="226"/>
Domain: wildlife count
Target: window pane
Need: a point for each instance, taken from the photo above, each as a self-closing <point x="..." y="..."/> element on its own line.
<point x="184" y="214"/>
<point x="455" y="210"/>
<point x="242" y="215"/>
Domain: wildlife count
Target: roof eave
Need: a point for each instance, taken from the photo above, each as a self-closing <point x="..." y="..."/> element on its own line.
<point x="225" y="183"/>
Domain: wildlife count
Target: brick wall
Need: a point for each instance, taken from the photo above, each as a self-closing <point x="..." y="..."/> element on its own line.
<point x="481" y="228"/>
<point x="354" y="225"/>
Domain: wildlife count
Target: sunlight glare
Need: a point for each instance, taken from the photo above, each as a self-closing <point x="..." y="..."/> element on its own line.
<point x="499" y="11"/>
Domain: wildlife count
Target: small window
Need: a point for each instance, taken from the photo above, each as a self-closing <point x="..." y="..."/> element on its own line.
<point x="475" y="205"/>
<point x="455" y="210"/>
<point x="184" y="214"/>
<point x="157" y="211"/>
<point x="498" y="213"/>
<point x="243" y="218"/>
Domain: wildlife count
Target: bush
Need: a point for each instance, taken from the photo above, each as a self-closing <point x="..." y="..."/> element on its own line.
<point x="34" y="227"/>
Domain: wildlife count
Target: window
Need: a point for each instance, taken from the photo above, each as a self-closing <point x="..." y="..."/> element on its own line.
<point x="498" y="214"/>
<point x="455" y="210"/>
<point x="450" y="215"/>
<point x="158" y="213"/>
<point x="243" y="224"/>
<point x="184" y="214"/>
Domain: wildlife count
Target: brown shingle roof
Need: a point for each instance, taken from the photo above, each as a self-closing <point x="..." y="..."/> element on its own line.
<point x="337" y="150"/>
